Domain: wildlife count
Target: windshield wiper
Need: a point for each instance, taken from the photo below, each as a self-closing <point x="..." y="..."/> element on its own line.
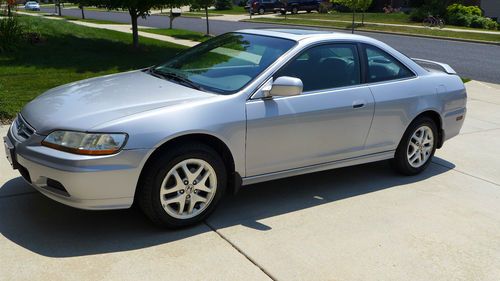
<point x="176" y="77"/>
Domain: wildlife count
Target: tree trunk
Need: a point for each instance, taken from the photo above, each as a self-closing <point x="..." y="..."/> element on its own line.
<point x="363" y="18"/>
<point x="9" y="12"/>
<point x="83" y="12"/>
<point x="59" y="12"/>
<point x="206" y="15"/>
<point x="353" y="15"/>
<point x="135" y="31"/>
<point x="171" y="18"/>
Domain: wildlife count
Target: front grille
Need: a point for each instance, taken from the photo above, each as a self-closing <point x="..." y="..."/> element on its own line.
<point x="21" y="129"/>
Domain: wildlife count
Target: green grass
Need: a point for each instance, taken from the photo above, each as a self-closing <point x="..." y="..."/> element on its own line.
<point x="236" y="10"/>
<point x="67" y="53"/>
<point x="394" y="29"/>
<point x="178" y="33"/>
<point x="394" y="18"/>
<point x="465" y="79"/>
<point x="92" y="20"/>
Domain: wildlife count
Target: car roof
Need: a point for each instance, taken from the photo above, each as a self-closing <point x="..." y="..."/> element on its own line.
<point x="301" y="34"/>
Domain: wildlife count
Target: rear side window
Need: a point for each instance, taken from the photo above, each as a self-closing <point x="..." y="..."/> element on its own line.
<point x="325" y="67"/>
<point x="384" y="67"/>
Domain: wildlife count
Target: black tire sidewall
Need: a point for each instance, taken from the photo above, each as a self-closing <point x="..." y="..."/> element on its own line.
<point x="401" y="161"/>
<point x="160" y="170"/>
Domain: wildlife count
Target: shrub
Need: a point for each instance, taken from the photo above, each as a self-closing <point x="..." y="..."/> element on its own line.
<point x="11" y="33"/>
<point x="482" y="22"/>
<point x="223" y="4"/>
<point x="460" y="20"/>
<point x="419" y="14"/>
<point x="458" y="9"/>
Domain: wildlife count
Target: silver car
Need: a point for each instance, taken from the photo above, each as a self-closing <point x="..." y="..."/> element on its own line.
<point x="32" y="6"/>
<point x="242" y="108"/>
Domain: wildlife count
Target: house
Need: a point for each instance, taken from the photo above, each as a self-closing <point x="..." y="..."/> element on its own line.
<point x="491" y="8"/>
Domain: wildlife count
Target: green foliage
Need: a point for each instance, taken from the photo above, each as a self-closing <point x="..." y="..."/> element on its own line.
<point x="11" y="34"/>
<point x="461" y="15"/>
<point x="455" y="9"/>
<point x="203" y="3"/>
<point x="223" y="4"/>
<point x="354" y="5"/>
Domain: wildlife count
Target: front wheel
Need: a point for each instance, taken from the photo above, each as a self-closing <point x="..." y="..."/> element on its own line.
<point x="182" y="186"/>
<point x="416" y="149"/>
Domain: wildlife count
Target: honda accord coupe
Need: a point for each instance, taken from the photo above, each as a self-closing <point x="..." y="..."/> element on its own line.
<point x="241" y="108"/>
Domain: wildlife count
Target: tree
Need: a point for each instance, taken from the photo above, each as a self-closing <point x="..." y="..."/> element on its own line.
<point x="355" y="5"/>
<point x="10" y="5"/>
<point x="363" y="5"/>
<point x="135" y="8"/>
<point x="205" y="4"/>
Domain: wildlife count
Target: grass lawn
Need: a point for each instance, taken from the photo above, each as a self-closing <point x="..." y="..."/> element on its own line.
<point x="69" y="53"/>
<point x="178" y="33"/>
<point x="394" y="18"/>
<point x="88" y="20"/>
<point x="395" y="29"/>
<point x="236" y="10"/>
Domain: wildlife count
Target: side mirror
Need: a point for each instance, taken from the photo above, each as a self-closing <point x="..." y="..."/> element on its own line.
<point x="284" y="86"/>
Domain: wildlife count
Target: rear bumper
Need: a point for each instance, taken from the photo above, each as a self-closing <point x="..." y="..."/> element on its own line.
<point x="85" y="182"/>
<point x="453" y="122"/>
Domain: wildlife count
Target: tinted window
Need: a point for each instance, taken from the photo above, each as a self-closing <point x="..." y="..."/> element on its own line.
<point x="226" y="63"/>
<point x="383" y="67"/>
<point x="325" y="67"/>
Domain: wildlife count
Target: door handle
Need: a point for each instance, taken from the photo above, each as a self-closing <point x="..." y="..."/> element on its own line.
<point x="358" y="104"/>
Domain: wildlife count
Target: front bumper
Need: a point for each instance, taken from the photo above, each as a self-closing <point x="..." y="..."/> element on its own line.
<point x="85" y="182"/>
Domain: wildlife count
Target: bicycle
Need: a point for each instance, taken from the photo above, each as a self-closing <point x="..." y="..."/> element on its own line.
<point x="432" y="21"/>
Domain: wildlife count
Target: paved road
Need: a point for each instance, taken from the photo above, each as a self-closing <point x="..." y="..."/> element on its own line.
<point x="476" y="61"/>
<point x="358" y="223"/>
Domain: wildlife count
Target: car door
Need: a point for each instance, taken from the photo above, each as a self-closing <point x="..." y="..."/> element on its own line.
<point x="396" y="92"/>
<point x="329" y="121"/>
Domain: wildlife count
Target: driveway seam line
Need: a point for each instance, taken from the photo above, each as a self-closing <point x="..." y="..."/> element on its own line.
<point x="467" y="174"/>
<point x="267" y="273"/>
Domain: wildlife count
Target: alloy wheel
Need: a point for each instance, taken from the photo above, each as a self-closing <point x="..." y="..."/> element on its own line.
<point x="188" y="188"/>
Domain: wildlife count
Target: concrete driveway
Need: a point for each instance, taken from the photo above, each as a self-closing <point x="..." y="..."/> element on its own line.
<point x="357" y="223"/>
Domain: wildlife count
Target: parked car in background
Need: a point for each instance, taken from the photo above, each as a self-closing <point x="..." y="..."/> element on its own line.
<point x="262" y="6"/>
<point x="241" y="108"/>
<point x="32" y="6"/>
<point x="295" y="6"/>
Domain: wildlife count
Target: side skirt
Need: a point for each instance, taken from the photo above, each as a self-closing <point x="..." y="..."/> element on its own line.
<point x="320" y="167"/>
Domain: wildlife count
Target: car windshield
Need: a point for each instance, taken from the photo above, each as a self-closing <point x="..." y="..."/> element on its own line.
<point x="224" y="64"/>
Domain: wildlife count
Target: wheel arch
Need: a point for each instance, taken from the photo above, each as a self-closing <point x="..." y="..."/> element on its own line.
<point x="234" y="178"/>
<point x="436" y="117"/>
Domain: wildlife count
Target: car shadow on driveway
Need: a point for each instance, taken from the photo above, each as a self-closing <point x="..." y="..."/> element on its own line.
<point x="48" y="228"/>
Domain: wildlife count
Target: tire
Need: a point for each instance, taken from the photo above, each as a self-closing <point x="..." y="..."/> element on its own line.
<point x="427" y="22"/>
<point x="166" y="170"/>
<point x="308" y="11"/>
<point x="295" y="10"/>
<point x="262" y="11"/>
<point x="423" y="145"/>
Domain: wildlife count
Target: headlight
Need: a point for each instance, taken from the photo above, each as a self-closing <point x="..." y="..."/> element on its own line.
<point x="85" y="143"/>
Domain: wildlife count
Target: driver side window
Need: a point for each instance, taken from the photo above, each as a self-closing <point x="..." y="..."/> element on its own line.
<point x="325" y="67"/>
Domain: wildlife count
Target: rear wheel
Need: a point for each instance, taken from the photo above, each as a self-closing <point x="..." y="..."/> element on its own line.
<point x="416" y="149"/>
<point x="262" y="11"/>
<point x="182" y="185"/>
<point x="295" y="10"/>
<point x="427" y="22"/>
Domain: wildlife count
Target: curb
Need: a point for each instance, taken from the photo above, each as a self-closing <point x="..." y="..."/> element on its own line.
<point x="381" y="32"/>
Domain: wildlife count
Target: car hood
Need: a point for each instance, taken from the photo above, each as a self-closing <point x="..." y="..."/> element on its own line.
<point x="85" y="104"/>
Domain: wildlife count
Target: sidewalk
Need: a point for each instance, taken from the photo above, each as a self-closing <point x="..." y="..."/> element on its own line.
<point x="123" y="28"/>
